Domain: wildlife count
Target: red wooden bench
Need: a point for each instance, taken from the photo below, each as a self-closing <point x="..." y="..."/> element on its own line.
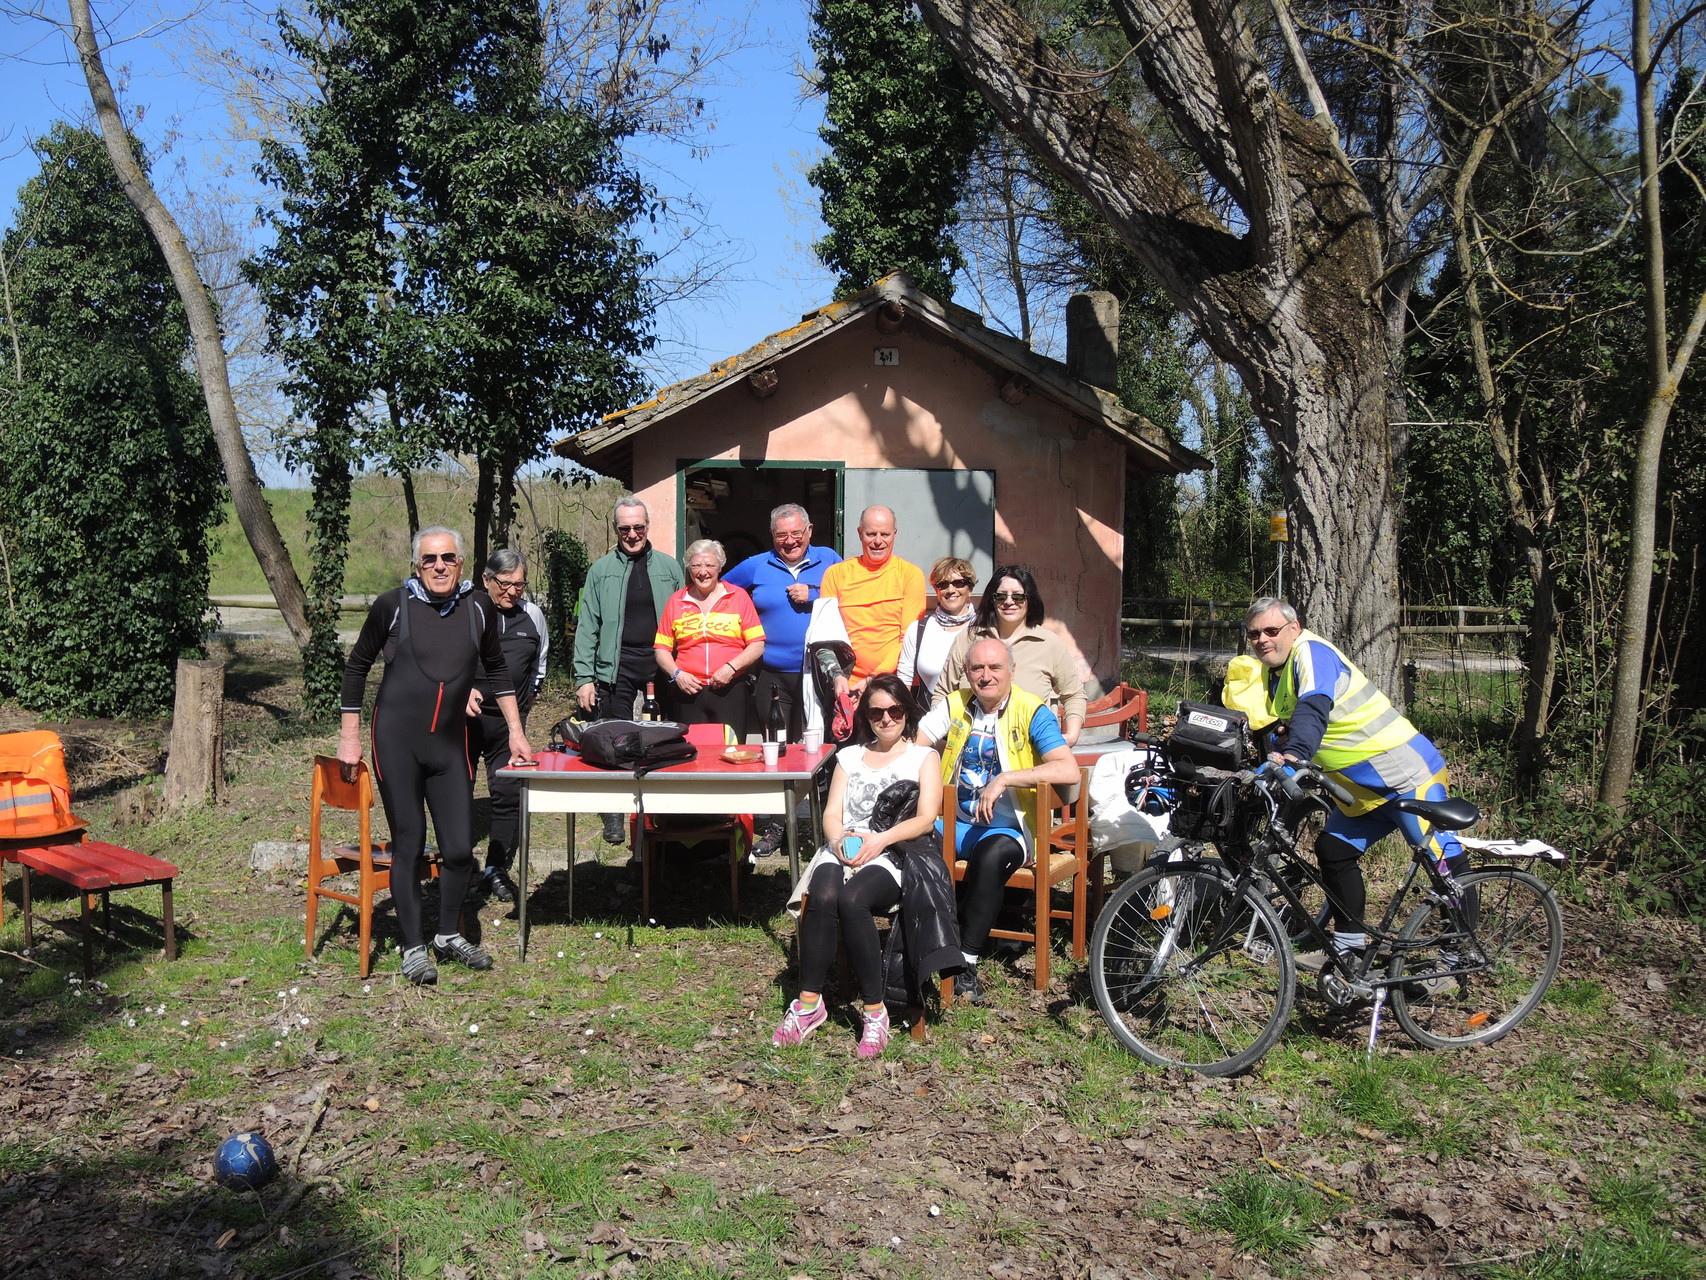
<point x="93" y="867"/>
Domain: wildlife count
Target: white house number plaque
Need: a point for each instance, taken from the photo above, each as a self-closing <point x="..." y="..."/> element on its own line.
<point x="888" y="356"/>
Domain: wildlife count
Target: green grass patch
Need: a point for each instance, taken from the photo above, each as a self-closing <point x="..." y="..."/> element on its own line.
<point x="1367" y="1095"/>
<point x="1263" y="1213"/>
<point x="1578" y="995"/>
<point x="1638" y="1241"/>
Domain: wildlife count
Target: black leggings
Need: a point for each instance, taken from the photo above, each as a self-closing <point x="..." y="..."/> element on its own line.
<point x="430" y="770"/>
<point x="1347" y="894"/>
<point x="988" y="866"/>
<point x="491" y="739"/>
<point x="852" y="907"/>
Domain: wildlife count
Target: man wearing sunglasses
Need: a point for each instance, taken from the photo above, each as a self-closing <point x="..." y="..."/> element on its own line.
<point x="434" y="632"/>
<point x="525" y="642"/>
<point x="620" y="605"/>
<point x="1339" y="721"/>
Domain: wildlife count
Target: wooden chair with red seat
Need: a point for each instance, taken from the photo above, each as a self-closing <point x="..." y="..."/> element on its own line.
<point x="368" y="856"/>
<point x="736" y="829"/>
<point x="1063" y="854"/>
<point x="1121" y="705"/>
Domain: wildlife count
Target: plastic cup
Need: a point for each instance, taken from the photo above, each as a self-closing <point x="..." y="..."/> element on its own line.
<point x="771" y="749"/>
<point x="814" y="740"/>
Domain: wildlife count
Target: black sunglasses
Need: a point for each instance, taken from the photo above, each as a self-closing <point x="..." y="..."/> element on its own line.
<point x="1256" y="633"/>
<point x="433" y="557"/>
<point x="959" y="584"/>
<point x="1009" y="597"/>
<point x="886" y="713"/>
<point x="632" y="528"/>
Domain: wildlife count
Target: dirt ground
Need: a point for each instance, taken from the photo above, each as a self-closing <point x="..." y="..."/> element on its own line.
<point x="612" y="1106"/>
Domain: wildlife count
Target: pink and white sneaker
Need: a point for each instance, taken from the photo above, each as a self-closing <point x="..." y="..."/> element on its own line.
<point x="875" y="1037"/>
<point x="797" y="1024"/>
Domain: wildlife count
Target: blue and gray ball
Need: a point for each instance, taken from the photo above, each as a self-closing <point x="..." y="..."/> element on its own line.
<point x="244" y="1162"/>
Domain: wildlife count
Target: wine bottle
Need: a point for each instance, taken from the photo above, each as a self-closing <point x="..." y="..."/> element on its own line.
<point x="776" y="724"/>
<point x="649" y="709"/>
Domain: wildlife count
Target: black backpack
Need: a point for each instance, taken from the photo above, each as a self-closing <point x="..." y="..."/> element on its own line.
<point x="636" y="746"/>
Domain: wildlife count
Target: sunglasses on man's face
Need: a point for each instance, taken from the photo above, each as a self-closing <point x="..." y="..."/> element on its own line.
<point x="886" y="713"/>
<point x="433" y="557"/>
<point x="958" y="584"/>
<point x="631" y="528"/>
<point x="1256" y="633"/>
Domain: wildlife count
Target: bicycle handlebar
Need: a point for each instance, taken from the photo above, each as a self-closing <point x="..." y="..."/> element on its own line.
<point x="1302" y="775"/>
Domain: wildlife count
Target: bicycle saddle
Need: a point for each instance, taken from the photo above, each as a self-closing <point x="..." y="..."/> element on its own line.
<point x="1451" y="814"/>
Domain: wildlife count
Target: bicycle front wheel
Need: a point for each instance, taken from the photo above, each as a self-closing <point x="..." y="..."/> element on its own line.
<point x="1189" y="971"/>
<point x="1488" y="969"/>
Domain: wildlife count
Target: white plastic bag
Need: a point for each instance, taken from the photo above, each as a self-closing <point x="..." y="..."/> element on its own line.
<point x="1126" y="834"/>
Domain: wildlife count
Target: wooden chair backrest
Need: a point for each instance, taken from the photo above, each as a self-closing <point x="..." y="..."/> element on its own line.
<point x="331" y="789"/>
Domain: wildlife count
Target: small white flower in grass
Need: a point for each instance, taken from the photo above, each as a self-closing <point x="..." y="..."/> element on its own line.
<point x="367" y="988"/>
<point x="894" y="1241"/>
<point x="473" y="1028"/>
<point x="18" y="1053"/>
<point x="559" y="955"/>
<point x="183" y="1022"/>
<point x="583" y="1053"/>
<point x="598" y="935"/>
<point x="277" y="1043"/>
<point x="586" y="1031"/>
<point x="294" y="990"/>
<point x="282" y="994"/>
<point x="303" y="1021"/>
<point x="935" y="1211"/>
<point x="224" y="1045"/>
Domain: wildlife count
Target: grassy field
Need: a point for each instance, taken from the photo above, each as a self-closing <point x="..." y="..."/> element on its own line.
<point x="379" y="545"/>
<point x="612" y="1107"/>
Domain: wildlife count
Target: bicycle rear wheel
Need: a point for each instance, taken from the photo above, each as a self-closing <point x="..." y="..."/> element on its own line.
<point x="1189" y="971"/>
<point x="1502" y="969"/>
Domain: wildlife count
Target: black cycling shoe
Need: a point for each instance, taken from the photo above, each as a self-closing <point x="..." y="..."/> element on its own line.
<point x="968" y="987"/>
<point x="615" y="828"/>
<point x="498" y="884"/>
<point x="462" y="951"/>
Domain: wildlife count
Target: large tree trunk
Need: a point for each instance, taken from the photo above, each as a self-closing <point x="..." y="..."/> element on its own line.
<point x="1292" y="303"/>
<point x="1664" y="379"/>
<point x="252" y="510"/>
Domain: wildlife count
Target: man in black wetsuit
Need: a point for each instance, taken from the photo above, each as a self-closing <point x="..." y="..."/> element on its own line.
<point x="434" y="633"/>
<point x="522" y="634"/>
<point x="617" y="621"/>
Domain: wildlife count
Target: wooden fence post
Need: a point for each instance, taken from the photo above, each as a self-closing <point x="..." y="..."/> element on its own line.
<point x="195" y="766"/>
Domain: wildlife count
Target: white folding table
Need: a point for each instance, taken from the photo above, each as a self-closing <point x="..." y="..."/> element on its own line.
<point x="562" y="783"/>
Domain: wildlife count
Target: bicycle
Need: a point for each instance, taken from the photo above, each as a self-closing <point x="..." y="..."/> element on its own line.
<point x="1192" y="959"/>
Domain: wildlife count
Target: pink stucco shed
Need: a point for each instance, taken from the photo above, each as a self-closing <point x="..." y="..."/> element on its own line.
<point x="948" y="395"/>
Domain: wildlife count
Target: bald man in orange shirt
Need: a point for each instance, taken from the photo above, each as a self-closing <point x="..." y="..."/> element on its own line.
<point x="879" y="595"/>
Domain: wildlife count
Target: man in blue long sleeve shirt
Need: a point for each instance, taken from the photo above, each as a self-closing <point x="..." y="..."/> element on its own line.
<point x="783" y="583"/>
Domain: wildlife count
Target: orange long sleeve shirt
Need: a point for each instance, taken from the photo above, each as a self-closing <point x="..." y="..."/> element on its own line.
<point x="878" y="603"/>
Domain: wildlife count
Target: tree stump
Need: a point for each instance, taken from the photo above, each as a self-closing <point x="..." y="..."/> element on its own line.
<point x="195" y="767"/>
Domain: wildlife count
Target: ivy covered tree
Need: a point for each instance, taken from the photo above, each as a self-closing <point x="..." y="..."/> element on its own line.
<point x="109" y="479"/>
<point x="901" y="123"/>
<point x="455" y="269"/>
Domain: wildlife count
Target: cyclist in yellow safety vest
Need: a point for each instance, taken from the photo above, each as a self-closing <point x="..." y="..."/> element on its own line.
<point x="997" y="743"/>
<point x="1337" y="720"/>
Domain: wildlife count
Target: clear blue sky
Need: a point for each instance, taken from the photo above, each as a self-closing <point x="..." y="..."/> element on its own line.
<point x="761" y="214"/>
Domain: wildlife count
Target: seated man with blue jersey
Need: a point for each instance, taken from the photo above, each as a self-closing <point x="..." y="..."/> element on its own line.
<point x="997" y="743"/>
<point x="1339" y="721"/>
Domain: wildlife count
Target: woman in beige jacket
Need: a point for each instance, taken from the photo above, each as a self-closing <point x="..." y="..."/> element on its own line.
<point x="1012" y="610"/>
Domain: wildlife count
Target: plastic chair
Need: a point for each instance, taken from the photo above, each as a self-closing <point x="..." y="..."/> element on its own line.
<point x="368" y="856"/>
<point x="735" y="829"/>
<point x="1064" y="855"/>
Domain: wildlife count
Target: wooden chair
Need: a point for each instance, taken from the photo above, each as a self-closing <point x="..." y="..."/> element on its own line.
<point x="1063" y="854"/>
<point x="735" y="829"/>
<point x="368" y="856"/>
<point x="1120" y="706"/>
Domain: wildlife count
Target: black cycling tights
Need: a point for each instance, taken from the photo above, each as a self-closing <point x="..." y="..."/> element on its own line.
<point x="430" y="770"/>
<point x="988" y="867"/>
<point x="850" y="906"/>
<point x="1341" y="877"/>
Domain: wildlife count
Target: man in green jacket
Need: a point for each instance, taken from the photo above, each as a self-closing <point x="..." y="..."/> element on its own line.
<point x="624" y="594"/>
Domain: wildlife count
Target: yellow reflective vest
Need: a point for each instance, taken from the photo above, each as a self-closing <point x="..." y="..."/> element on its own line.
<point x="1013" y="746"/>
<point x="1362" y="722"/>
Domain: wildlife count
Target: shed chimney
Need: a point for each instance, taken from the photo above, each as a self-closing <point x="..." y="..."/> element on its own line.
<point x="1093" y="339"/>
